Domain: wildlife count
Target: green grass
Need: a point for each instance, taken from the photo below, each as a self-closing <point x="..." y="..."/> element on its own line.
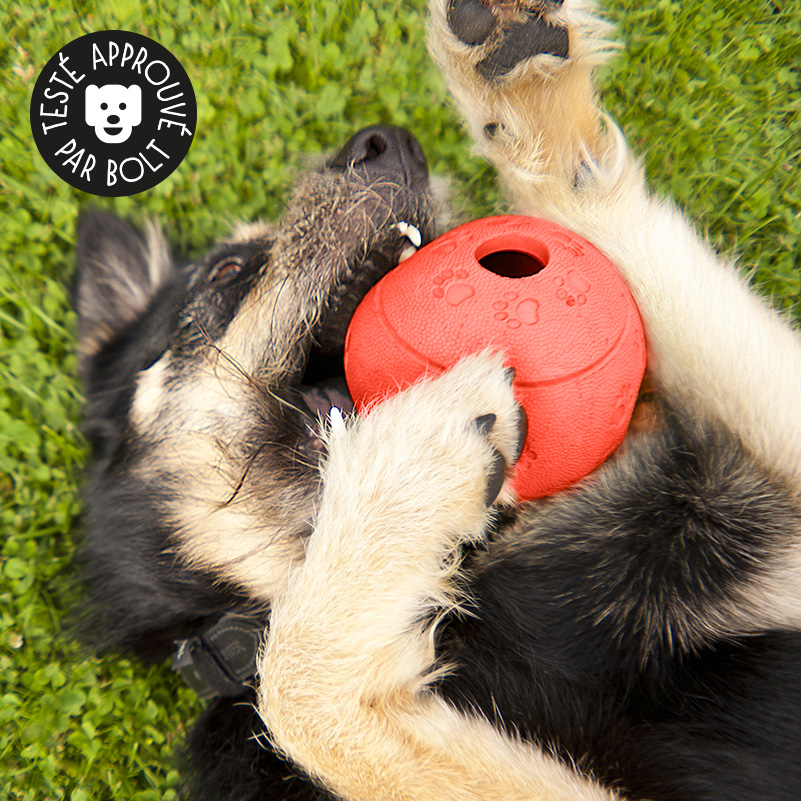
<point x="712" y="91"/>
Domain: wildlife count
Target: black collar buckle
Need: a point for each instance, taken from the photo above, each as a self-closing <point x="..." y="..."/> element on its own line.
<point x="220" y="659"/>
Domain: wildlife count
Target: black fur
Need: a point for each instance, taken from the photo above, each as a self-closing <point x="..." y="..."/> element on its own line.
<point x="577" y="631"/>
<point x="229" y="761"/>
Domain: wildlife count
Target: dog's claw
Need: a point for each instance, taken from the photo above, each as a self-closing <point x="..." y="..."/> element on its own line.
<point x="522" y="431"/>
<point x="497" y="469"/>
<point x="497" y="476"/>
<point x="485" y="423"/>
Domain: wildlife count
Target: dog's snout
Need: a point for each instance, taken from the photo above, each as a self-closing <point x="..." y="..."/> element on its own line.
<point x="384" y="151"/>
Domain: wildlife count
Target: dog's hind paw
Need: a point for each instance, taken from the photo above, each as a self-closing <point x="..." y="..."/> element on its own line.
<point x="511" y="37"/>
<point x="521" y="72"/>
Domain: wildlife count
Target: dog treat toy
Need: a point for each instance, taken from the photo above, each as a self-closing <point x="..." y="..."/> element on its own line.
<point x="552" y="303"/>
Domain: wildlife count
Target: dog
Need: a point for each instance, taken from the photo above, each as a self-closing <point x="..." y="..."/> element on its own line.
<point x="372" y="613"/>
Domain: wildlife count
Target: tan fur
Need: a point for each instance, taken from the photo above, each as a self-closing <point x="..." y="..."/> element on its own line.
<point x="345" y="670"/>
<point x="250" y="541"/>
<point x="245" y="231"/>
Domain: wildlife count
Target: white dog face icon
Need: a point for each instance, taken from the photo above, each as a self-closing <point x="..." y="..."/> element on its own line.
<point x="113" y="111"/>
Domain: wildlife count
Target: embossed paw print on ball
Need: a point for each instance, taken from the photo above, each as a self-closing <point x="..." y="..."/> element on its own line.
<point x="550" y="301"/>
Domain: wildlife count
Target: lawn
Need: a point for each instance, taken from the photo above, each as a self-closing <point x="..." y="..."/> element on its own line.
<point x="712" y="90"/>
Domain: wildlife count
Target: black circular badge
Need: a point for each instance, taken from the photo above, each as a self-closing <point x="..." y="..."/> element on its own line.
<point x="113" y="113"/>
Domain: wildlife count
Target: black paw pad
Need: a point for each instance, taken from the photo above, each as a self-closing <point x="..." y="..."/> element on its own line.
<point x="534" y="37"/>
<point x="471" y="21"/>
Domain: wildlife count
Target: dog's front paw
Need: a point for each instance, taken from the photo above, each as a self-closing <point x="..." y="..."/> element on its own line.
<point x="508" y="33"/>
<point x="434" y="457"/>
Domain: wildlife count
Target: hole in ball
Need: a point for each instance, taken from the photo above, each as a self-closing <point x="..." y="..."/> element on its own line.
<point x="511" y="263"/>
<point x="513" y="256"/>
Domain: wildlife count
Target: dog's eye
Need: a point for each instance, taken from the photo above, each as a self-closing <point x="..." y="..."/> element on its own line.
<point x="226" y="270"/>
<point x="122" y="106"/>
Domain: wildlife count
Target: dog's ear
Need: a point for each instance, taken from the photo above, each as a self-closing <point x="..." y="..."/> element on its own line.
<point x="119" y="272"/>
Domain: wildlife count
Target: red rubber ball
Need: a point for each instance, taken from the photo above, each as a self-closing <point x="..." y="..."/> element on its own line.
<point x="550" y="301"/>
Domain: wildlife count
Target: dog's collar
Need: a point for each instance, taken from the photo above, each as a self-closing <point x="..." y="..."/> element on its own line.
<point x="220" y="659"/>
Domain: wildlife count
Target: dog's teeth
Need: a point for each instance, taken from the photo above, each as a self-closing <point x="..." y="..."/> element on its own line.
<point x="414" y="236"/>
<point x="411" y="232"/>
<point x="409" y="250"/>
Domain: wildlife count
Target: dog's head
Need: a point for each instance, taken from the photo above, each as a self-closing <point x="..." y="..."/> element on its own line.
<point x="206" y="386"/>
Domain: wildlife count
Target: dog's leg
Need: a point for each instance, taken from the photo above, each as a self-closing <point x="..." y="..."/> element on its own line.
<point x="521" y="72"/>
<point x="343" y="678"/>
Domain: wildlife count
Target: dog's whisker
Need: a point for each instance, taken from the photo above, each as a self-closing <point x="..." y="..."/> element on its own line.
<point x="240" y="483"/>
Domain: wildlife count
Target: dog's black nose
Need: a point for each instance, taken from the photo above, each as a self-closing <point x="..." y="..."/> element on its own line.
<point x="384" y="151"/>
<point x="113" y="119"/>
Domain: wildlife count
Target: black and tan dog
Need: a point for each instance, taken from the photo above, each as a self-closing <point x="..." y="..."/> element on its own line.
<point x="634" y="637"/>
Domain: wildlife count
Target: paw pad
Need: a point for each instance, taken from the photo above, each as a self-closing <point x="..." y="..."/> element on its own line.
<point x="473" y="22"/>
<point x="534" y="37"/>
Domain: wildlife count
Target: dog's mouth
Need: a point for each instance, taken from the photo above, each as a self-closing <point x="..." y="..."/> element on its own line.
<point x="323" y="387"/>
<point x="112" y="131"/>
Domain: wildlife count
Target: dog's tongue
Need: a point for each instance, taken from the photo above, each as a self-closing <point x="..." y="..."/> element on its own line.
<point x="322" y="397"/>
